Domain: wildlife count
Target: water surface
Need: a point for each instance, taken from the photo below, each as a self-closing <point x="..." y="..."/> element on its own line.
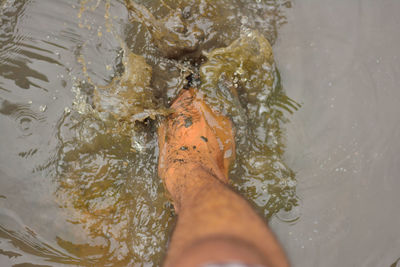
<point x="340" y="60"/>
<point x="83" y="86"/>
<point x="78" y="183"/>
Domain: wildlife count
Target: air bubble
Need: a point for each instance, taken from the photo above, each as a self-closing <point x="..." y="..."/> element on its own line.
<point x="42" y="108"/>
<point x="290" y="216"/>
<point x="25" y="124"/>
<point x="291" y="183"/>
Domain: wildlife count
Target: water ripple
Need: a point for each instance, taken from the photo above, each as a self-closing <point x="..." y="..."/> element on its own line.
<point x="22" y="115"/>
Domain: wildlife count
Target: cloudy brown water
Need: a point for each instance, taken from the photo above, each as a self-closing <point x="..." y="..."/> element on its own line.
<point x="78" y="183"/>
<point x="83" y="88"/>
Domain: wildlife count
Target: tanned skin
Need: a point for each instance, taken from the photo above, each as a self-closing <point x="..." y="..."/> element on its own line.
<point x="215" y="224"/>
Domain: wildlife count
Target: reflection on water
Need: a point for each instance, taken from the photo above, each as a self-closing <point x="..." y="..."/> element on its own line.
<point x="100" y="75"/>
<point x="16" y="50"/>
<point x="27" y="242"/>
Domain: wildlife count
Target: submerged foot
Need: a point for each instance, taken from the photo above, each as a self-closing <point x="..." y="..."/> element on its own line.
<point x="192" y="137"/>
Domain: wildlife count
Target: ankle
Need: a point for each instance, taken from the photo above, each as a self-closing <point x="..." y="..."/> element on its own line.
<point x="184" y="183"/>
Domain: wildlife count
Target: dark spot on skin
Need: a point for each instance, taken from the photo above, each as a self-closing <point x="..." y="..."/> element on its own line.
<point x="204" y="138"/>
<point x="184" y="148"/>
<point x="194" y="147"/>
<point x="179" y="160"/>
<point x="188" y="122"/>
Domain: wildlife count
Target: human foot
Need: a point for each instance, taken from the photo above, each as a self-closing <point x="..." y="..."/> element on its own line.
<point x="194" y="137"/>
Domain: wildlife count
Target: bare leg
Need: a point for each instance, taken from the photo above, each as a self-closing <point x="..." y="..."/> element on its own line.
<point x="215" y="224"/>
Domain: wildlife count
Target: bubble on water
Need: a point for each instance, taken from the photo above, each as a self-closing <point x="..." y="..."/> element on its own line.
<point x="278" y="165"/>
<point x="42" y="108"/>
<point x="244" y="20"/>
<point x="25" y="124"/>
<point x="292" y="183"/>
<point x="291" y="215"/>
<point x="264" y="188"/>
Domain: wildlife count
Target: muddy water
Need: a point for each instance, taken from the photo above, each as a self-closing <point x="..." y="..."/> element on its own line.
<point x="78" y="180"/>
<point x="83" y="87"/>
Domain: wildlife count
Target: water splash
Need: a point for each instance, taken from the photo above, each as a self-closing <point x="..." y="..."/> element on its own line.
<point x="106" y="166"/>
<point x="243" y="82"/>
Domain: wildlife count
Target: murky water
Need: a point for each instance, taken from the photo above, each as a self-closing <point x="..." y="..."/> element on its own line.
<point x="78" y="181"/>
<point x="83" y="86"/>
